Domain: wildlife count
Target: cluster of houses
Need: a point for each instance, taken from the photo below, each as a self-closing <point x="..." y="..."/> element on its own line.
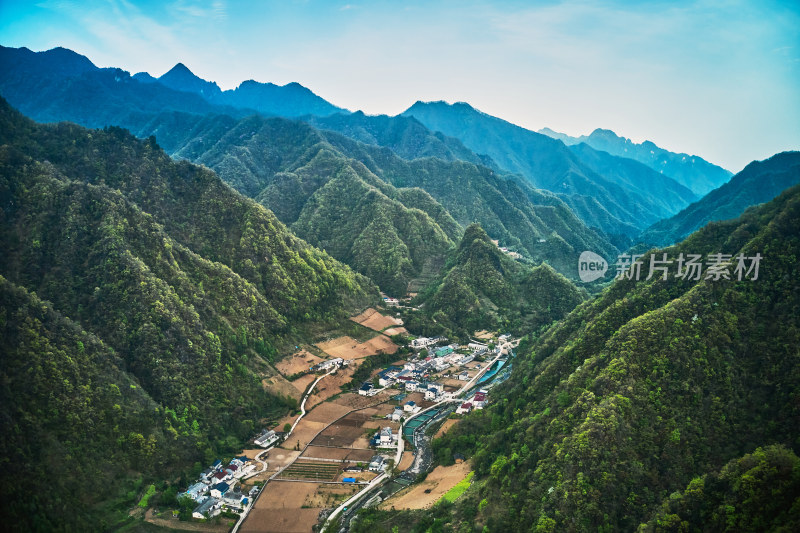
<point x="215" y="488"/>
<point x="478" y="401"/>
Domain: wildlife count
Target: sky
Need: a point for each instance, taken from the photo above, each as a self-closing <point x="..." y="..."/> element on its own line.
<point x="714" y="78"/>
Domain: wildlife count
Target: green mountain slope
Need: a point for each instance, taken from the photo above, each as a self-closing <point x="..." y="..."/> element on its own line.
<point x="71" y="416"/>
<point x="760" y="181"/>
<point x="185" y="288"/>
<point x="326" y="198"/>
<point x="284" y="164"/>
<point x="652" y="384"/>
<point x="484" y="288"/>
<point x="617" y="206"/>
<point x="691" y="171"/>
<point x="757" y="492"/>
<point x="405" y="136"/>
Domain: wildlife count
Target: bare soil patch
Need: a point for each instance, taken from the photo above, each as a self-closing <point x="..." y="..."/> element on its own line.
<point x="302" y="383"/>
<point x="395" y="331"/>
<point x="297" y="362"/>
<point x="439" y="481"/>
<point x="326" y="412"/>
<point x="303" y="433"/>
<point x="338" y="436"/>
<point x="406" y="460"/>
<point x="356" y="401"/>
<point x="349" y="348"/>
<point x="279" y="385"/>
<point x="328" y="496"/>
<point x="279" y="509"/>
<point x="284" y="495"/>
<point x="445" y="427"/>
<point x="277" y="458"/>
<point x="340" y="454"/>
<point x="372" y="319"/>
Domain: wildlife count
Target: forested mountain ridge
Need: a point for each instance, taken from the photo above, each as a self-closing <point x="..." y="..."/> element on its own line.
<point x="651" y="385"/>
<point x="405" y="136"/>
<point x="276" y="161"/>
<point x="619" y="203"/>
<point x="483" y="288"/>
<point x="691" y="171"/>
<point x="183" y="287"/>
<point x="760" y="181"/>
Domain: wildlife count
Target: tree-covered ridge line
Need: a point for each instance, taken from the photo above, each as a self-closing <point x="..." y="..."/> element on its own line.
<point x="649" y="386"/>
<point x="481" y="287"/>
<point x="189" y="289"/>
<point x="311" y="179"/>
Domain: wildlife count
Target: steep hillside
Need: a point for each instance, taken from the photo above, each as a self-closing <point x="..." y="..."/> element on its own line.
<point x="651" y="385"/>
<point x="759" y="182"/>
<point x="177" y="291"/>
<point x="484" y="288"/>
<point x="284" y="164"/>
<point x="692" y="171"/>
<point x="405" y="136"/>
<point x="617" y="206"/>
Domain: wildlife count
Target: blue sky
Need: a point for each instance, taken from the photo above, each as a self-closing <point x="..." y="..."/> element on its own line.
<point x="716" y="78"/>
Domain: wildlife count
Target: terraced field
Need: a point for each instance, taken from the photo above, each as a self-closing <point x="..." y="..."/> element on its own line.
<point x="312" y="471"/>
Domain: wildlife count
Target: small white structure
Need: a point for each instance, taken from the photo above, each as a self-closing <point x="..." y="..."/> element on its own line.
<point x="376" y="463"/>
<point x="464" y="408"/>
<point x="330" y="363"/>
<point x="409" y="407"/>
<point x="397" y="414"/>
<point x="196" y="491"/>
<point x="464" y="376"/>
<point x="209" y="507"/>
<point x="219" y="490"/>
<point x="411" y="386"/>
<point x="386" y="438"/>
<point x="266" y="438"/>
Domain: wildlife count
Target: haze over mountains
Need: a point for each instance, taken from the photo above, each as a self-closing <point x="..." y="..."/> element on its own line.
<point x="150" y="279"/>
<point x="689" y="170"/>
<point x="619" y="203"/>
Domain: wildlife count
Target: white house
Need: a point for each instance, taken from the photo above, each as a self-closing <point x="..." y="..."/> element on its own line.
<point x="196" y="491"/>
<point x="219" y="490"/>
<point x="397" y="414"/>
<point x="409" y="407"/>
<point x="209" y="507"/>
<point x="376" y="463"/>
<point x="430" y="394"/>
<point x="330" y="363"/>
<point x="464" y="408"/>
<point x="411" y="386"/>
<point x="386" y="437"/>
<point x="464" y="376"/>
<point x="266" y="438"/>
<point x="477" y="346"/>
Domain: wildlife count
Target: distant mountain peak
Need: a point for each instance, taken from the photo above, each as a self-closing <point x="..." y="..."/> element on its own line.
<point x="181" y="78"/>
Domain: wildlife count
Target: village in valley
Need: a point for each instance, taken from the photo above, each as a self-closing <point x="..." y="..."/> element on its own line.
<point x="355" y="440"/>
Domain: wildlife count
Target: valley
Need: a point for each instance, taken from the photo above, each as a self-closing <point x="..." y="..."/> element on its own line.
<point x="228" y="303"/>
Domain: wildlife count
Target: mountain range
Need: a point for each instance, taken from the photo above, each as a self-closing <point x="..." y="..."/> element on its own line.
<point x="759" y="182"/>
<point x="623" y="202"/>
<point x="691" y="171"/>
